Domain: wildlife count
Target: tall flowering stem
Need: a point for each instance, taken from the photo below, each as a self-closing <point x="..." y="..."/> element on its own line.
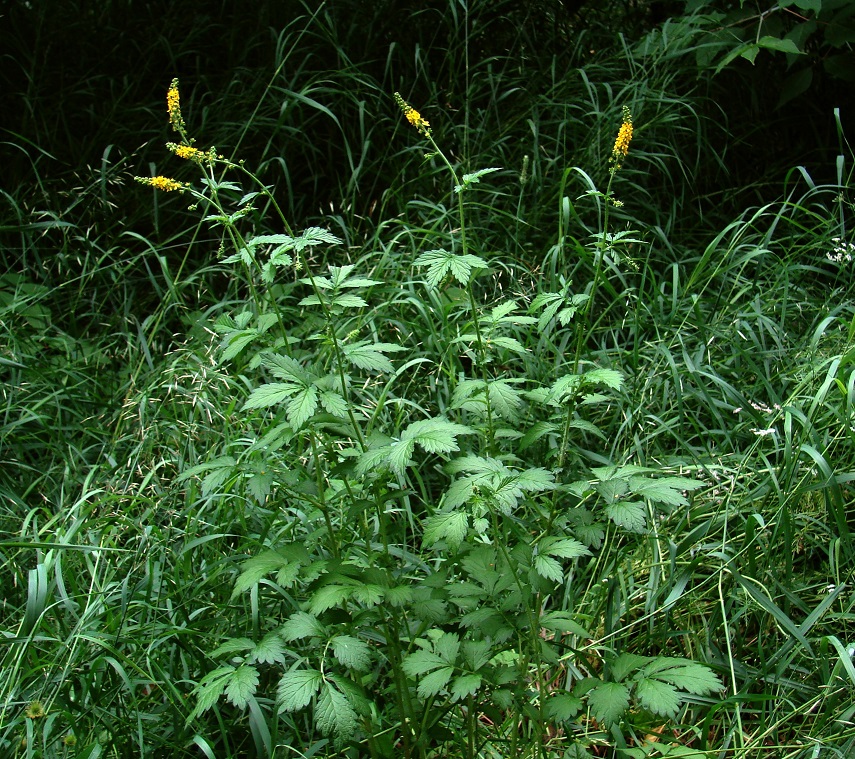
<point x="423" y="126"/>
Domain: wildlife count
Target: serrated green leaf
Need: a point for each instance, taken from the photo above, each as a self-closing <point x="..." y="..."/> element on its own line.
<point x="367" y="357"/>
<point x="563" y="548"/>
<point x="535" y="480"/>
<point x="302" y="625"/>
<point x="477" y="653"/>
<point x="447" y="645"/>
<point x="369" y="594"/>
<point x="433" y="683"/>
<point x="508" y="343"/>
<point x="351" y="652"/>
<point x="297" y="688"/>
<point x="269" y="649"/>
<point x="235" y="343"/>
<point x="373" y="458"/>
<point x="463" y="686"/>
<point x="658" y="697"/>
<point x="608" y="377"/>
<point x="287" y="368"/>
<point x="256" y="568"/>
<point x="209" y="690"/>
<point x="630" y="516"/>
<point x="348" y="300"/>
<point x="241" y="685"/>
<point x="687" y="675"/>
<point x="608" y="702"/>
<point x="328" y="596"/>
<point x="436" y="435"/>
<point x="270" y="394"/>
<point x="234" y="645"/>
<point x="302" y="406"/>
<point x="664" y="489"/>
<point x="333" y="403"/>
<point x="420" y="662"/>
<point x="561" y="707"/>
<point x="334" y="714"/>
<point x="548" y="567"/>
<point x="451" y="527"/>
<point x="259" y="485"/>
<point x="399" y="596"/>
<point x="627" y="663"/>
<point x="401" y="455"/>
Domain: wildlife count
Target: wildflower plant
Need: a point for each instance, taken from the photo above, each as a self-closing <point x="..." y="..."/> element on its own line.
<point x="413" y="577"/>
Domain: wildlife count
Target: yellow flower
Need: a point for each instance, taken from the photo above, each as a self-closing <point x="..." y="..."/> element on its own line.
<point x="34" y="710"/>
<point x="161" y="183"/>
<point x="173" y="106"/>
<point x="187" y="152"/>
<point x="621" y="147"/>
<point x="413" y="116"/>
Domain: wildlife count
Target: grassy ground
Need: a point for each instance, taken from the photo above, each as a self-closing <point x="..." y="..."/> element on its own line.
<point x="371" y="452"/>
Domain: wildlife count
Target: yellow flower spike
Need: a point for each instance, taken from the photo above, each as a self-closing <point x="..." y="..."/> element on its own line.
<point x="161" y="183"/>
<point x="621" y="147"/>
<point x="187" y="152"/>
<point x="413" y="116"/>
<point x="173" y="106"/>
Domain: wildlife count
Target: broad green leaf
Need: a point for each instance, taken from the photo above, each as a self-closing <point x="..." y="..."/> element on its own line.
<point x="328" y="596"/>
<point x="334" y="714"/>
<point x="297" y="688"/>
<point x="270" y="394"/>
<point x="287" y="368"/>
<point x="630" y="516"/>
<point x="563" y="548"/>
<point x="433" y="683"/>
<point x="440" y="263"/>
<point x="302" y="625"/>
<point x="561" y="707"/>
<point x="234" y="645"/>
<point x="608" y="377"/>
<point x="658" y="697"/>
<point x="367" y="357"/>
<point x="269" y="649"/>
<point x="451" y="527"/>
<point x="463" y="686"/>
<point x="477" y="653"/>
<point x="235" y="343"/>
<point x="687" y="675"/>
<point x="368" y="594"/>
<point x="608" y="702"/>
<point x="626" y="664"/>
<point x="351" y="652"/>
<point x="667" y="490"/>
<point x="241" y="685"/>
<point x="209" y="690"/>
<point x="447" y="645"/>
<point x="420" y="662"/>
<point x="259" y="485"/>
<point x="436" y="435"/>
<point x="535" y="480"/>
<point x="401" y="455"/>
<point x="333" y="403"/>
<point x="548" y="567"/>
<point x="302" y="406"/>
